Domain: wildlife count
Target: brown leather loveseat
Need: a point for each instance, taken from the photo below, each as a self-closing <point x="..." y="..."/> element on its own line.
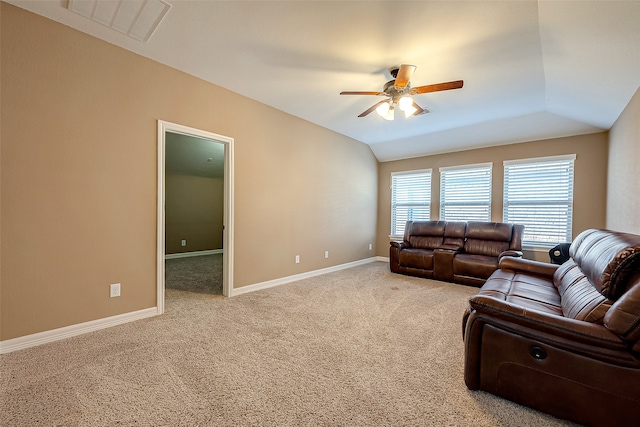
<point x="563" y="339"/>
<point x="460" y="252"/>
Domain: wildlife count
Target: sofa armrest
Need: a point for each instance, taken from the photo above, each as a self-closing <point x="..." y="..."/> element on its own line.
<point x="512" y="253"/>
<point x="400" y="244"/>
<point x="521" y="265"/>
<point x="395" y="247"/>
<point x="591" y="339"/>
<point x="443" y="262"/>
<point x="450" y="247"/>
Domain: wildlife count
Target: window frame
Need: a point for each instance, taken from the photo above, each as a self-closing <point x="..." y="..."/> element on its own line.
<point x="425" y="206"/>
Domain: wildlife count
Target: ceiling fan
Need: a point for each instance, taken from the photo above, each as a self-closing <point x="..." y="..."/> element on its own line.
<point x="398" y="92"/>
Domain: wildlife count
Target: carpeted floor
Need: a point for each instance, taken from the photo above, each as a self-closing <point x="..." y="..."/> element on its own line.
<point x="359" y="347"/>
<point x="201" y="274"/>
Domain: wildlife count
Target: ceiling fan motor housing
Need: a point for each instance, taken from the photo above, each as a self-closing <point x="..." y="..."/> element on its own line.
<point x="392" y="92"/>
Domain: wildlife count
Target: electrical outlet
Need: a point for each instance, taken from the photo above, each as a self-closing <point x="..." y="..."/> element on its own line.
<point x="370" y="246"/>
<point x="183" y="243"/>
<point x="114" y="290"/>
<point x="297" y="259"/>
<point x="326" y="254"/>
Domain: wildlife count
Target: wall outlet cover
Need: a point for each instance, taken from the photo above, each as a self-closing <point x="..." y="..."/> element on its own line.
<point x="114" y="290"/>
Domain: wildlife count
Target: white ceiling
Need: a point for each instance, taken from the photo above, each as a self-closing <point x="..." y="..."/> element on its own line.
<point x="532" y="69"/>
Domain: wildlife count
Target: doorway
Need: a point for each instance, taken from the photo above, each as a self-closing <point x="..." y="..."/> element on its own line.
<point x="203" y="142"/>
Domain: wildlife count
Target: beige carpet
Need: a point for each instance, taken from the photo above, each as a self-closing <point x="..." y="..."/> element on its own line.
<point x="360" y="347"/>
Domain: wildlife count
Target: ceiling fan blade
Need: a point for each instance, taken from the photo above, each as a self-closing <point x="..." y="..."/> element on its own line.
<point x="372" y="108"/>
<point x="361" y="93"/>
<point x="437" y="87"/>
<point x="419" y="109"/>
<point x="404" y="75"/>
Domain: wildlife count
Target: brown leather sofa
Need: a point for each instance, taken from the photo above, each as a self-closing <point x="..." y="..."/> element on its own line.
<point x="460" y="252"/>
<point x="562" y="339"/>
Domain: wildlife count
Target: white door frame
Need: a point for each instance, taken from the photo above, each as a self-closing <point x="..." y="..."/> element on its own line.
<point x="227" y="237"/>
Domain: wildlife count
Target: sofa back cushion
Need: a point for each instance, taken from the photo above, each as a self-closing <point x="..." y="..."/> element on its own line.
<point x="454" y="233"/>
<point x="516" y="237"/>
<point x="487" y="238"/>
<point x="580" y="300"/>
<point x="609" y="260"/>
<point x="624" y="317"/>
<point x="424" y="234"/>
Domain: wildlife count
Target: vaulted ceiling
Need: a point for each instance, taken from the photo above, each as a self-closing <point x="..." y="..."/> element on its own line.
<point x="531" y="69"/>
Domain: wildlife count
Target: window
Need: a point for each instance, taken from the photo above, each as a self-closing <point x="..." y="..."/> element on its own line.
<point x="465" y="193"/>
<point x="538" y="193"/>
<point x="410" y="199"/>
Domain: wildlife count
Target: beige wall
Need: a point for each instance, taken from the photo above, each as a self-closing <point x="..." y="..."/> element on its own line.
<point x="623" y="184"/>
<point x="1" y="80"/>
<point x="194" y="208"/>
<point x="589" y="181"/>
<point x="78" y="175"/>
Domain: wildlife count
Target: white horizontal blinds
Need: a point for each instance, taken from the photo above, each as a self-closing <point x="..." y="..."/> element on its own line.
<point x="465" y="193"/>
<point x="410" y="199"/>
<point x="538" y="193"/>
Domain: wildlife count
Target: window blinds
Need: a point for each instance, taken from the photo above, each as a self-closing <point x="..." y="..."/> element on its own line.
<point x="410" y="199"/>
<point x="465" y="193"/>
<point x="538" y="193"/>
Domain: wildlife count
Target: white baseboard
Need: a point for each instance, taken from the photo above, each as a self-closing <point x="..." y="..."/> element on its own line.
<point x="382" y="258"/>
<point x="301" y="276"/>
<point x="195" y="253"/>
<point x="7" y="346"/>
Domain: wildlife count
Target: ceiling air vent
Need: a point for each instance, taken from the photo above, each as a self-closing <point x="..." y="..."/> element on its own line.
<point x="135" y="18"/>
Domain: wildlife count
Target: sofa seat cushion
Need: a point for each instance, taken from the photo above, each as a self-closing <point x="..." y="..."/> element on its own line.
<point x="530" y="292"/>
<point x="474" y="265"/>
<point x="416" y="258"/>
<point x="580" y="299"/>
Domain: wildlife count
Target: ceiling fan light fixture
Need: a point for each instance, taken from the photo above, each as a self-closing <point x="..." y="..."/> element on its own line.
<point x="390" y="114"/>
<point x="383" y="109"/>
<point x="405" y="103"/>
